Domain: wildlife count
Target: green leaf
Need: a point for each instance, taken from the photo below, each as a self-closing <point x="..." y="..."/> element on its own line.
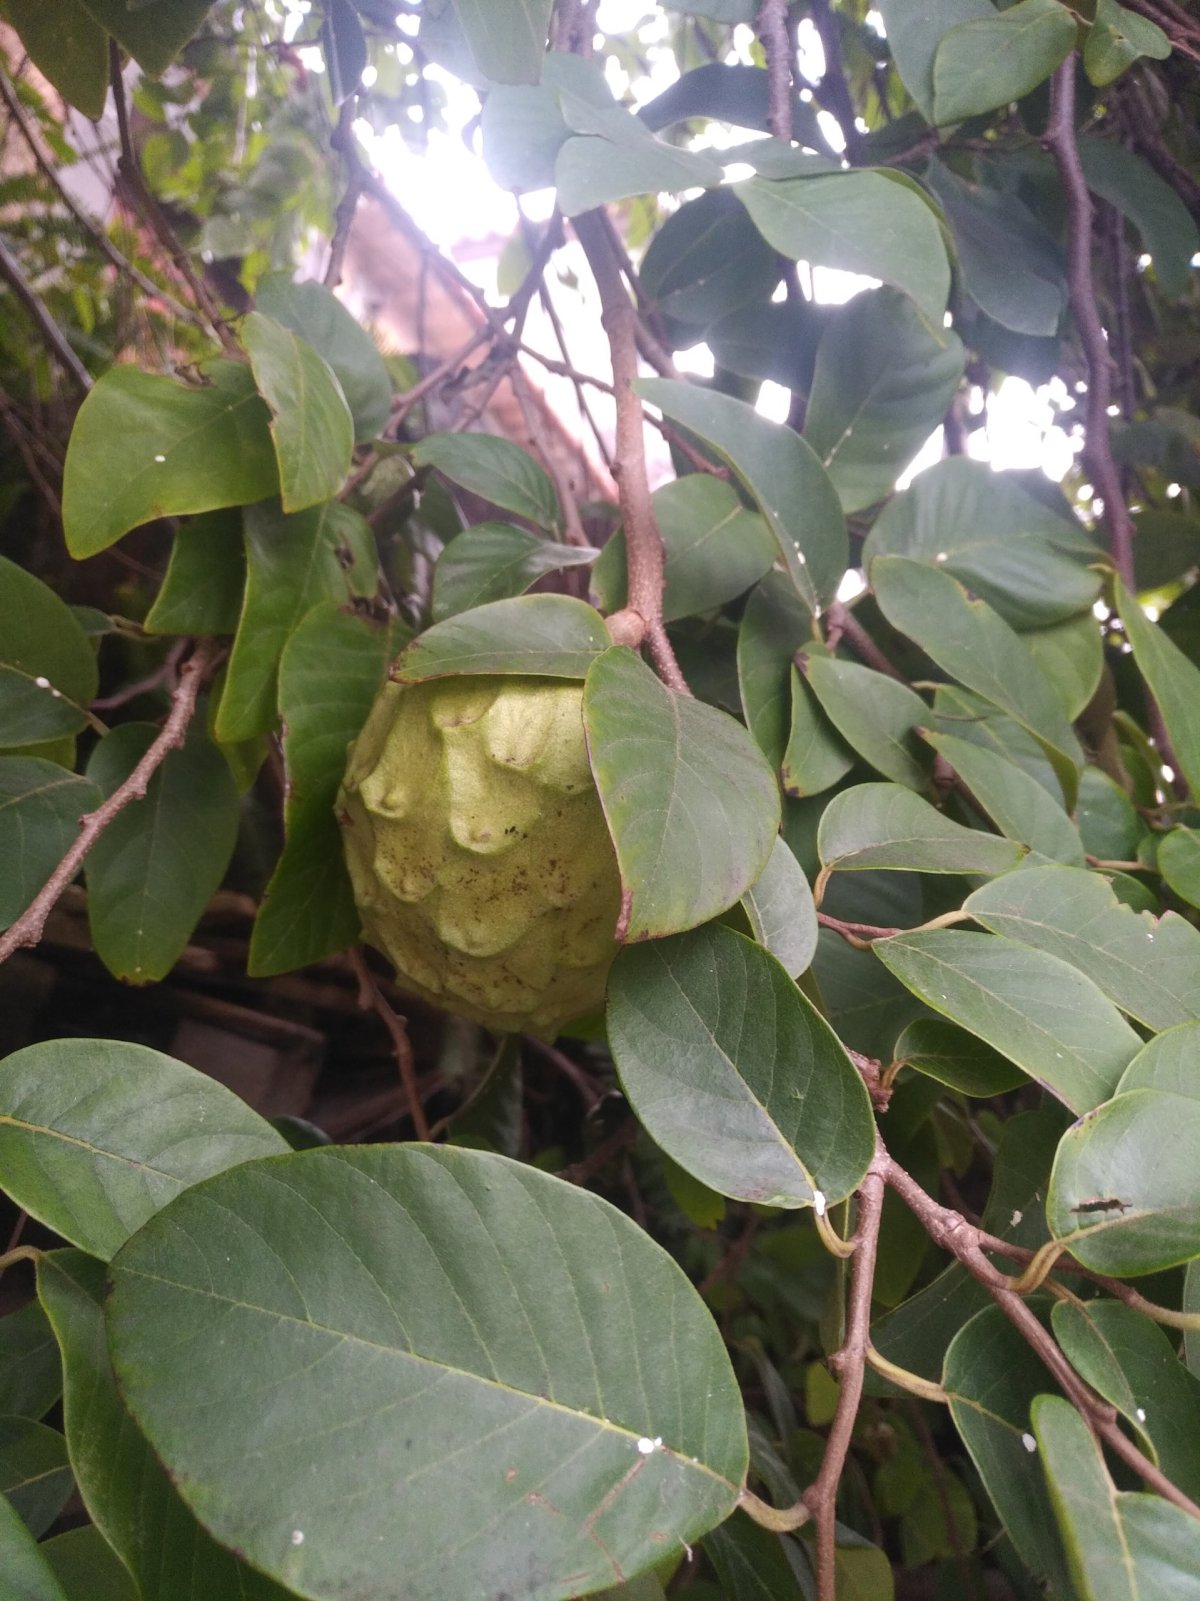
<point x="1117" y="39"/>
<point x="715" y="549"/>
<point x="523" y="130"/>
<point x="1130" y="1362"/>
<point x="780" y="908"/>
<point x="30" y="1371"/>
<point x="95" y="1135"/>
<point x="692" y="808"/>
<point x="883" y="381"/>
<point x="162" y="858"/>
<point x="496" y="469"/>
<point x="1010" y="265"/>
<point x="506" y="37"/>
<point x="874" y="714"/>
<point x="206" y="578"/>
<point x="292" y="563"/>
<point x="1120" y="1546"/>
<point x="549" y="636"/>
<point x="48" y="672"/>
<point x="495" y="561"/>
<point x="35" y="1476"/>
<point x="1167" y="1062"/>
<point x="1123" y="1194"/>
<point x="859" y="222"/>
<point x="1035" y="1009"/>
<point x="310" y="420"/>
<point x="124" y="1487"/>
<point x="753" y="1564"/>
<point x="318" y="316"/>
<point x="734" y="1073"/>
<point x="1178" y="860"/>
<point x="781" y="471"/>
<point x="987" y="62"/>
<point x="1025" y="560"/>
<point x="508" y="1347"/>
<point x="1174" y="681"/>
<point x="913" y="37"/>
<point x="153" y="33"/>
<point x="707" y="259"/>
<point x="992" y="1377"/>
<point x="974" y="645"/>
<point x="1169" y="232"/>
<point x="344" y="48"/>
<point x="615" y="156"/>
<point x="775" y="340"/>
<point x="816" y="757"/>
<point x="1016" y="803"/>
<point x="145" y="446"/>
<point x="884" y="825"/>
<point x="27" y="1574"/>
<point x="732" y="93"/>
<point x="87" y="1567"/>
<point x="774" y="626"/>
<point x="1071" y="655"/>
<point x="40" y="808"/>
<point x="1149" y="966"/>
<point x="66" y="45"/>
<point x="329" y="674"/>
<point x="955" y="1058"/>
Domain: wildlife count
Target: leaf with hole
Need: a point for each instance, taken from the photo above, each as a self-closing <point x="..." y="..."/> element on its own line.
<point x="509" y="1347"/>
<point x="692" y="807"/>
<point x="734" y="1073"/>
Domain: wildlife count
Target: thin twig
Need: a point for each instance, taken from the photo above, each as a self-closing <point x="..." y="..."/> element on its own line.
<point x="52" y="335"/>
<point x="17" y="431"/>
<point x="841" y="623"/>
<point x="1060" y="140"/>
<point x="343" y="217"/>
<point x="372" y="999"/>
<point x="772" y="31"/>
<point x="27" y="929"/>
<point x="643" y="543"/>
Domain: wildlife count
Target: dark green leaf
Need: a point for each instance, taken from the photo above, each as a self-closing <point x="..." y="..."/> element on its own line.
<point x="734" y="1073"/>
<point x="47" y="666"/>
<point x="779" y="905"/>
<point x="913" y="37"/>
<point x="1025" y="560"/>
<point x="715" y="549"/>
<point x="506" y="37"/>
<point x="509" y="1348"/>
<point x="206" y="578"/>
<point x="972" y="643"/>
<point x="777" y="340"/>
<point x="1174" y="681"/>
<point x="1123" y="1193"/>
<point x="1167" y="1062"/>
<point x="992" y="1377"/>
<point x="884" y="378"/>
<point x="692" y="807"/>
<point x="153" y="33"/>
<point x="774" y="626"/>
<point x="550" y="636"/>
<point x="159" y="862"/>
<point x="707" y="259"/>
<point x="816" y="757"/>
<point x="310" y="420"/>
<point x="1149" y="966"/>
<point x="616" y="156"/>
<point x="66" y="44"/>
<point x="344" y="47"/>
<point x="88" y="1568"/>
<point x="792" y="489"/>
<point x="34" y="1474"/>
<point x="123" y="1486"/>
<point x="1178" y="860"/>
<point x="876" y="715"/>
<point x="1035" y="1009"/>
<point x="40" y="808"/>
<point x="145" y="446"/>
<point x="1018" y="805"/>
<point x="955" y="1058"/>
<point x="311" y="310"/>
<point x="95" y="1136"/>
<point x="1169" y="232"/>
<point x="753" y="1564"/>
<point x="986" y="62"/>
<point x="730" y="93"/>
<point x="292" y="563"/>
<point x="884" y="825"/>
<point x="30" y="1371"/>
<point x="495" y="561"/>
<point x="1071" y="655"/>
<point x="27" y="1574"/>
<point x="859" y="222"/>
<point x="497" y="470"/>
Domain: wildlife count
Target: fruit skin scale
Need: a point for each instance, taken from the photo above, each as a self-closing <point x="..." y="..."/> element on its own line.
<point x="478" y="851"/>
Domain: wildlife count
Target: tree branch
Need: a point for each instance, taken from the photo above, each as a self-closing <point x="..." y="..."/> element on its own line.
<point x="643" y="543"/>
<point x="52" y="335"/>
<point x="372" y="999"/>
<point x="27" y="929"/>
<point x="1060" y="141"/>
<point x="772" y="31"/>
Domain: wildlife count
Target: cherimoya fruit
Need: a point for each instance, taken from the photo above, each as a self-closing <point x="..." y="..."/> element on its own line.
<point x="478" y="850"/>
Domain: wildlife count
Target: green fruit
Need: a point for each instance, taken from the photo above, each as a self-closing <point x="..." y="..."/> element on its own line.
<point x="478" y="850"/>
